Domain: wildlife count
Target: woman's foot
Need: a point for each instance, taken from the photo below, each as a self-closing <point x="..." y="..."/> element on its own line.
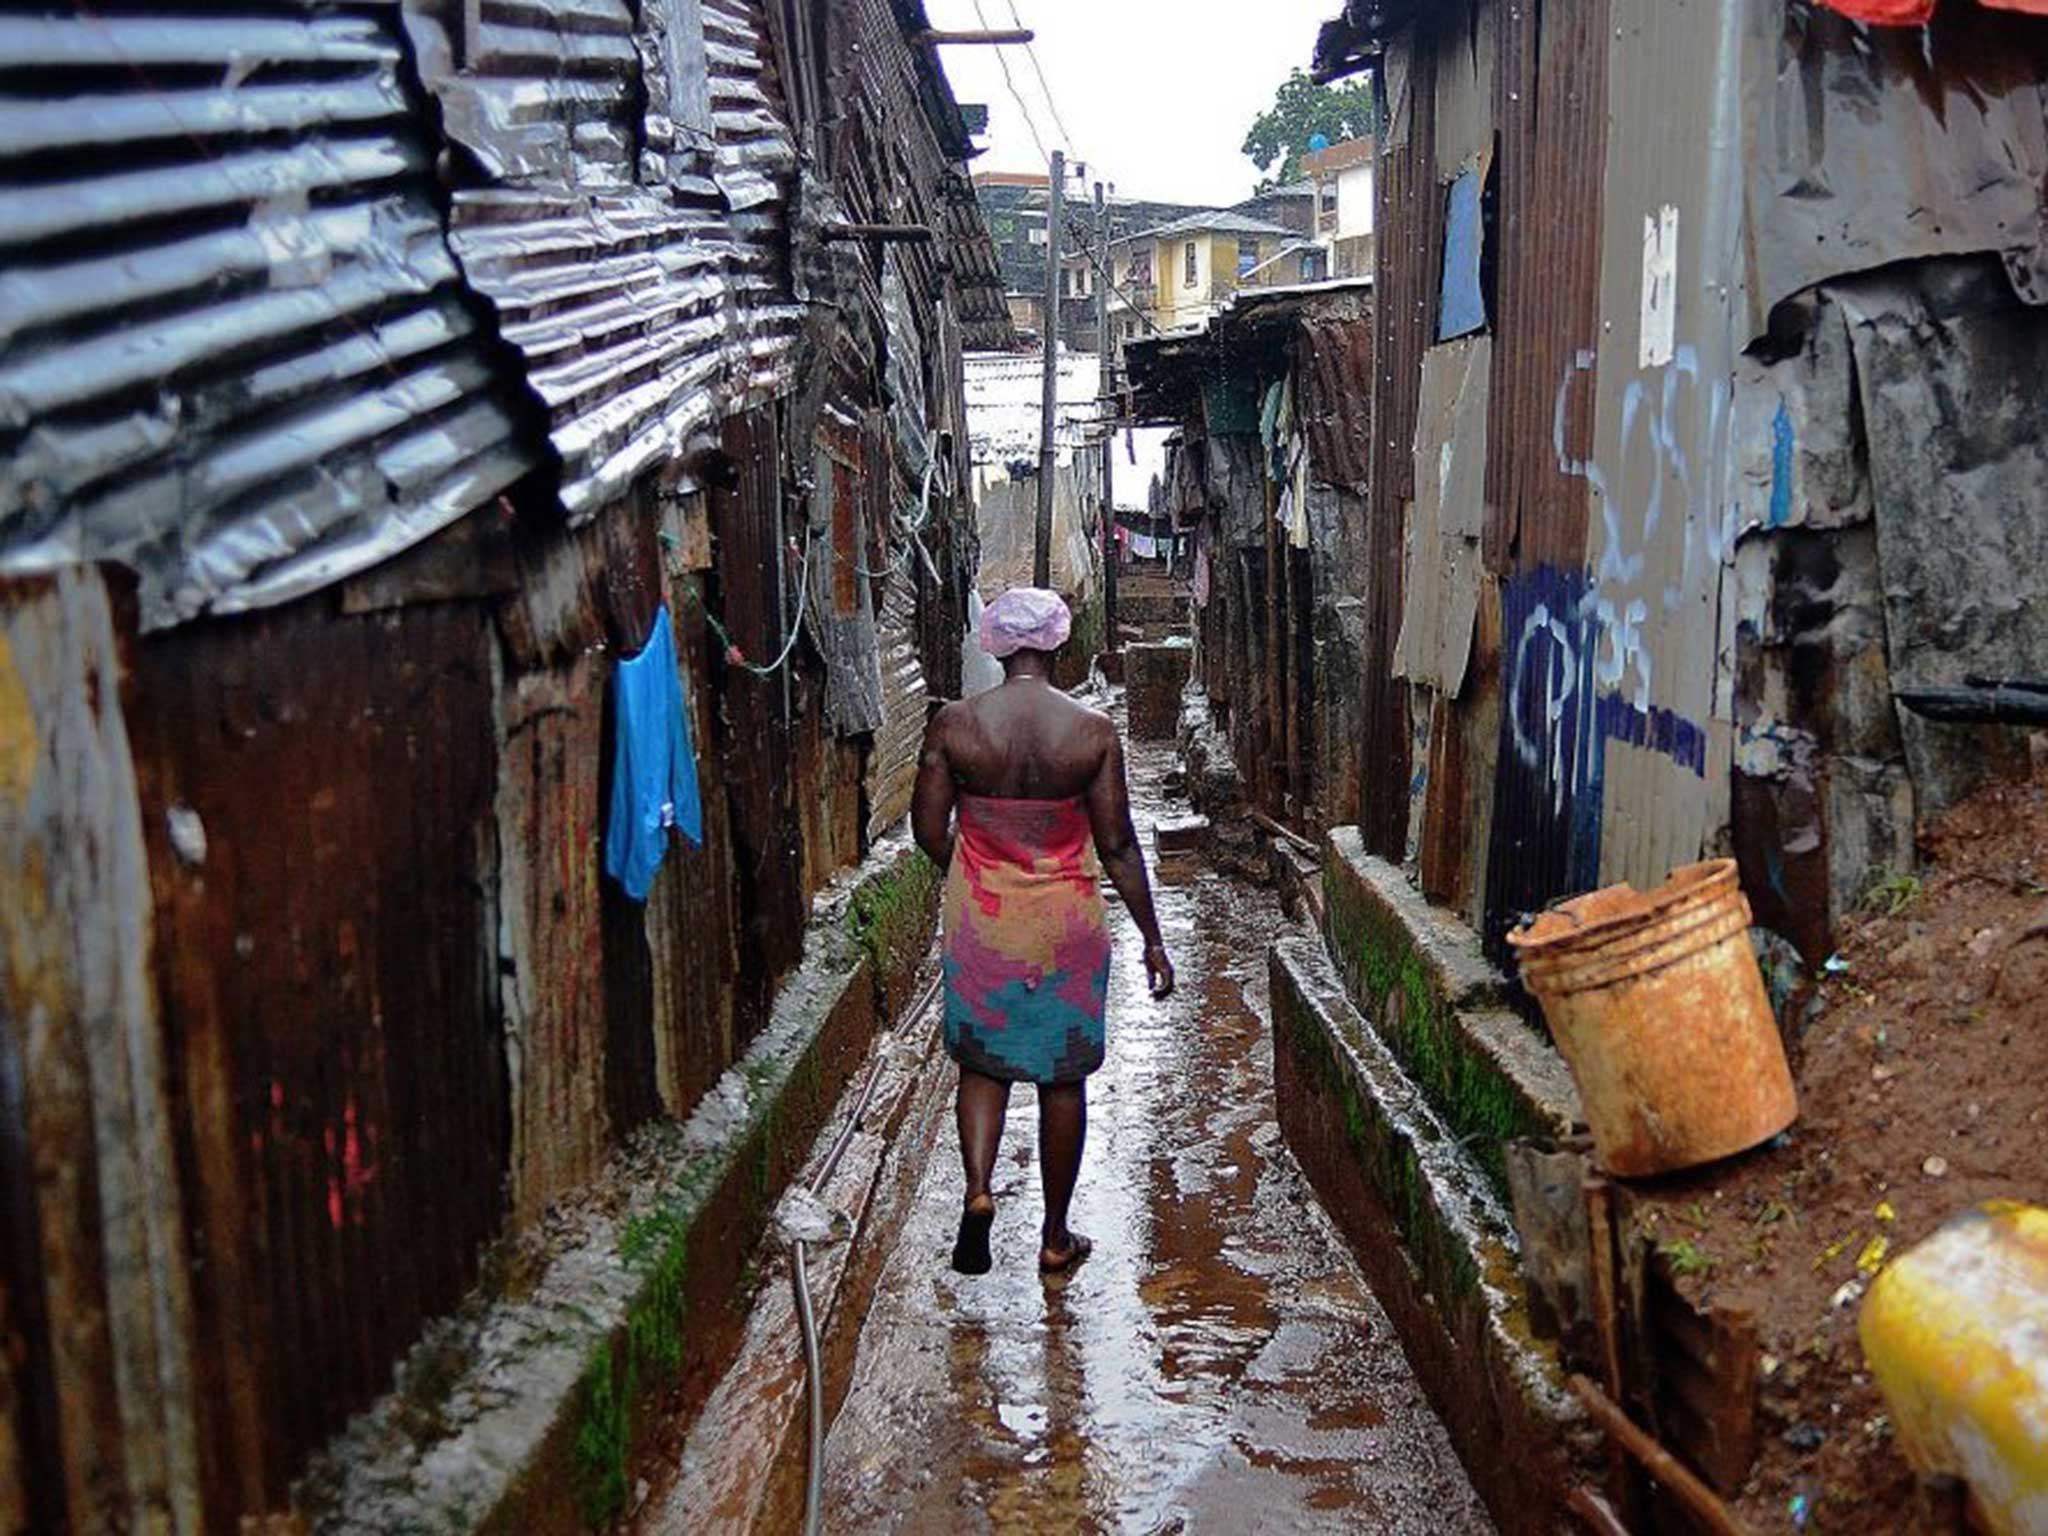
<point x="1061" y="1257"/>
<point x="971" y="1255"/>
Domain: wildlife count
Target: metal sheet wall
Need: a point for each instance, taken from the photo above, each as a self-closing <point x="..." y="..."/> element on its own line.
<point x="235" y="351"/>
<point x="329" y="994"/>
<point x="630" y="233"/>
<point x="1549" y="107"/>
<point x="1497" y="768"/>
<point x="1408" y="217"/>
<point x="96" y="1391"/>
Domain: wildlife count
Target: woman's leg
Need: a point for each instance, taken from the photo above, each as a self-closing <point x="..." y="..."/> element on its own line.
<point x="1062" y="1133"/>
<point x="979" y="1112"/>
<point x="983" y="1103"/>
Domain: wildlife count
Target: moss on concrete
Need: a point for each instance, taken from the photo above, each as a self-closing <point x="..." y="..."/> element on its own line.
<point x="1432" y="1236"/>
<point x="1408" y="998"/>
<point x="1387" y="1154"/>
<point x="891" y="917"/>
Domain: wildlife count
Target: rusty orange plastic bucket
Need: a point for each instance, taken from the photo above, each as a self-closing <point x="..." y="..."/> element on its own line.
<point x="1658" y="1005"/>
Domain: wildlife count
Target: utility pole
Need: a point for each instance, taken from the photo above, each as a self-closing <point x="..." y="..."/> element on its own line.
<point x="1105" y="355"/>
<point x="1041" y="544"/>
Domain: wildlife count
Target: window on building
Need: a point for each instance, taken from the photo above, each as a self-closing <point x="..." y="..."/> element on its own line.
<point x="1141" y="267"/>
<point x="1191" y="273"/>
<point x="1247" y="256"/>
<point x="1326" y="197"/>
<point x="1036" y="234"/>
<point x="1315" y="265"/>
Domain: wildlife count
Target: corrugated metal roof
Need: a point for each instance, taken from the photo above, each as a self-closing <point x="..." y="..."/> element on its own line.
<point x="1005" y="403"/>
<point x="1220" y="220"/>
<point x="234" y="348"/>
<point x="627" y="217"/>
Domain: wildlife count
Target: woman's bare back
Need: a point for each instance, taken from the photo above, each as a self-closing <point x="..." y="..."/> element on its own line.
<point x="1025" y="741"/>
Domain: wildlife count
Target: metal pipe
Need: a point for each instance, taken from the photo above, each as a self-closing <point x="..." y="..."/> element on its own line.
<point x="994" y="35"/>
<point x="1048" y="455"/>
<point x="1667" y="1469"/>
<point x="1981" y="703"/>
<point x="814" y="1472"/>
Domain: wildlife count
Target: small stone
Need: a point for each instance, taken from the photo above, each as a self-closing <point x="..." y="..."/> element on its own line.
<point x="1973" y="1110"/>
<point x="1935" y="1167"/>
<point x="1805" y="1436"/>
<point x="1985" y="941"/>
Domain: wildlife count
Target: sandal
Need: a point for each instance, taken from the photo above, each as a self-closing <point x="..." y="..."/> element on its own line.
<point x="1078" y="1248"/>
<point x="971" y="1254"/>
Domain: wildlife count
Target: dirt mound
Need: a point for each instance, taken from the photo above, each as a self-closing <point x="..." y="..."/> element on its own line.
<point x="1919" y="1061"/>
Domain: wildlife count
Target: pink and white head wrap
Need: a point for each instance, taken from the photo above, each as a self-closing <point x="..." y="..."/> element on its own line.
<point x="1025" y="619"/>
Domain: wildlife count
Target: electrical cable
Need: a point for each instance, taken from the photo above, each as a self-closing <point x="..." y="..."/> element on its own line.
<point x="735" y="655"/>
<point x="1030" y="122"/>
<point x="1044" y="85"/>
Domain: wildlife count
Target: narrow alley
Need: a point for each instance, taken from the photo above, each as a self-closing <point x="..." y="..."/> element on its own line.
<point x="1218" y="1364"/>
<point x="543" y="549"/>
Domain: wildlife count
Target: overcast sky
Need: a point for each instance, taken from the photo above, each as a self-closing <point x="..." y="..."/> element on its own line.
<point x="1156" y="94"/>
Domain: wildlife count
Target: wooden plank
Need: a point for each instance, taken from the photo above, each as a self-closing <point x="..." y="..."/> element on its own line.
<point x="96" y="1274"/>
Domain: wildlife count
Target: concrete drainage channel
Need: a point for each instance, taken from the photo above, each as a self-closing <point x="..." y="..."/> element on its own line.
<point x="750" y="1461"/>
<point x="1401" y="1077"/>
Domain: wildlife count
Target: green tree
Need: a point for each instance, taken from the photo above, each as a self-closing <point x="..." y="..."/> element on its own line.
<point x="1301" y="109"/>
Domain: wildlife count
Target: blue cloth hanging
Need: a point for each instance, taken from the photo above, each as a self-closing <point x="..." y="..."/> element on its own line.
<point x="654" y="767"/>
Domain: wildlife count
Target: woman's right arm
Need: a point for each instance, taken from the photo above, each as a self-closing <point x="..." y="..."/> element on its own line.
<point x="1123" y="860"/>
<point x="931" y="802"/>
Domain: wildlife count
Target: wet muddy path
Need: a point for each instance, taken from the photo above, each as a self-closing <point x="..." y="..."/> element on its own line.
<point x="1217" y="1365"/>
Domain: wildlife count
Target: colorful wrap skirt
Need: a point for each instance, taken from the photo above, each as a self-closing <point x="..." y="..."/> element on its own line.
<point x="1026" y="948"/>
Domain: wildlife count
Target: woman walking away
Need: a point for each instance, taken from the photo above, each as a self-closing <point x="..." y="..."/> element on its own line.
<point x="1035" y="778"/>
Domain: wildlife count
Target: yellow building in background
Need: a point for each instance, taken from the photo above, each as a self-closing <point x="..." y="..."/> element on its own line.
<point x="1180" y="274"/>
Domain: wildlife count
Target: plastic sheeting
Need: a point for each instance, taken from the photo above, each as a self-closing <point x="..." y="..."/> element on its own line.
<point x="1948" y="373"/>
<point x="1864" y="148"/>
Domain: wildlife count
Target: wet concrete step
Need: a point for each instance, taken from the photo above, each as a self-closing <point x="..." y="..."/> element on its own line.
<point x="1433" y="1238"/>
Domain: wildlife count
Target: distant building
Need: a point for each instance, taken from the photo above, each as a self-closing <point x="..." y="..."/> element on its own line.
<point x="1291" y="207"/>
<point x="1180" y="274"/>
<point x="1342" y="178"/>
<point x="1016" y="205"/>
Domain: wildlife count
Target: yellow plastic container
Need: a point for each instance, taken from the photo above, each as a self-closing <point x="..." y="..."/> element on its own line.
<point x="1956" y="1333"/>
<point x="1657" y="1003"/>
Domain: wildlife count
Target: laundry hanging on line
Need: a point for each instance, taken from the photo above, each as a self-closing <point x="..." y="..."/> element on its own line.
<point x="654" y="765"/>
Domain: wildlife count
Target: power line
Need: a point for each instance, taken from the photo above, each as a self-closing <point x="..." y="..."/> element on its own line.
<point x="1044" y="85"/>
<point x="1030" y="122"/>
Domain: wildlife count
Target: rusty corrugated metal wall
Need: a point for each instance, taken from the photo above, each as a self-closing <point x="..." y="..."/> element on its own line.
<point x="1549" y="103"/>
<point x="402" y="1012"/>
<point x="328" y="985"/>
<point x="1407" y="222"/>
<point x="625" y="214"/>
